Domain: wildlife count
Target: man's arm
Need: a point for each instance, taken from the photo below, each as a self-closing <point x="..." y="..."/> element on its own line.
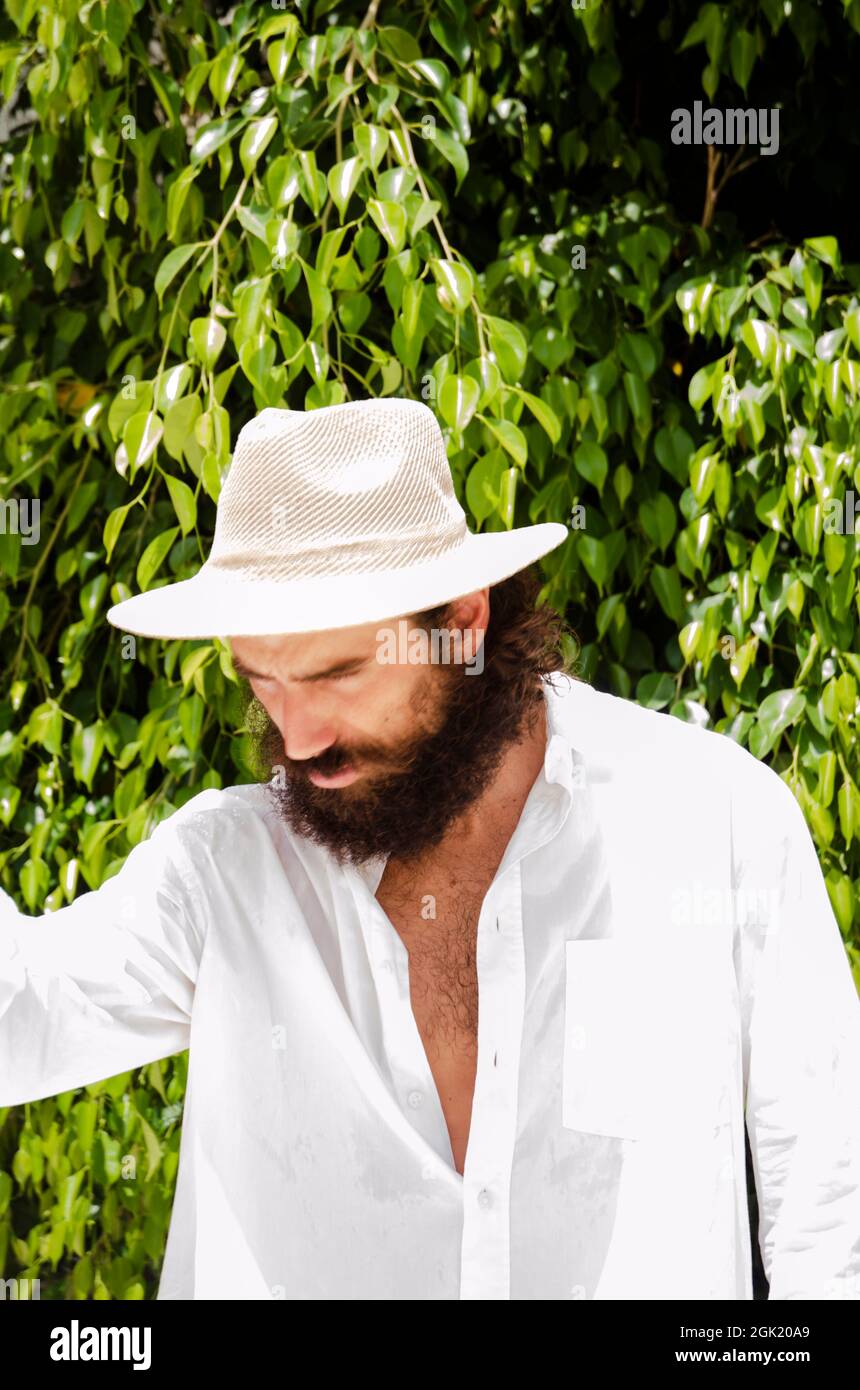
<point x="801" y="1053"/>
<point x="105" y="984"/>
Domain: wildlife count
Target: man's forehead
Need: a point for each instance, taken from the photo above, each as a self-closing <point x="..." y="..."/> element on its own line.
<point x="300" y="654"/>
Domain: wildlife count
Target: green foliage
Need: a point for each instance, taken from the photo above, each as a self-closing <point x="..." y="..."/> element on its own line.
<point x="293" y="209"/>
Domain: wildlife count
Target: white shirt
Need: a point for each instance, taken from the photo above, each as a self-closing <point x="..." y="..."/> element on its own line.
<point x="656" y="958"/>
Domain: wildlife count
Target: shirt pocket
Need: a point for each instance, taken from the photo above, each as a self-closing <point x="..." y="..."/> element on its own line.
<point x="648" y="1036"/>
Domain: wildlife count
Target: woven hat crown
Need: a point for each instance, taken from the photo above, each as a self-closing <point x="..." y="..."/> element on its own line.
<point x="347" y="489"/>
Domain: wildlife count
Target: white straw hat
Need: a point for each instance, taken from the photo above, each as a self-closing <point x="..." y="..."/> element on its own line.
<point x="332" y="518"/>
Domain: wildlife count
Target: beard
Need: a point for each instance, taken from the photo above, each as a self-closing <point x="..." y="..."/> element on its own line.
<point x="464" y="726"/>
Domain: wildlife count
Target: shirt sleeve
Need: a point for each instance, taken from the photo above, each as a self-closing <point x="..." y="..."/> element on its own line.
<point x="103" y="985"/>
<point x="801" y="1048"/>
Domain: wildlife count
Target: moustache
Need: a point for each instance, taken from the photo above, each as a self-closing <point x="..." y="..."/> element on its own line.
<point x="334" y="760"/>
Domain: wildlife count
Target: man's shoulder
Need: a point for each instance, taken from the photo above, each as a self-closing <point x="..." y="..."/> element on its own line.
<point x="219" y="814"/>
<point x="624" y="736"/>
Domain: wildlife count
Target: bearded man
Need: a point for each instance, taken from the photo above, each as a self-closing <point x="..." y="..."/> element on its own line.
<point x="484" y="984"/>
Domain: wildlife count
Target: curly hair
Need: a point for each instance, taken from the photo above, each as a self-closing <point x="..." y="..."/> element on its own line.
<point x="523" y="640"/>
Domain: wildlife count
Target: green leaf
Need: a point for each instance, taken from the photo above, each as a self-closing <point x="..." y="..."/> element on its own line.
<point x="184" y="503"/>
<point x="170" y="385"/>
<point x="639" y="400"/>
<point x="153" y="1156"/>
<point x="639" y="354"/>
<point x="191" y="711"/>
<point x="812" y="280"/>
<point x="762" y="557"/>
<point x="511" y="438"/>
<point x="353" y="311"/>
<point x="657" y="517"/>
<point x="85" y="749"/>
<point x="45" y="726"/>
<point x="591" y="463"/>
<point x="154" y="556"/>
<point x="285" y="24"/>
<point x="177" y="195"/>
<point x="701" y="386"/>
<point x="454" y="285"/>
<point x="211" y="138"/>
<point x="342" y="181"/>
<point x="208" y="336"/>
<point x="179" y="425"/>
<point x="452" y="37"/>
<point x="485" y="372"/>
<point x="141" y="438"/>
<point x="655" y="691"/>
<point x="826" y="248"/>
<point x="761" y="339"/>
<point x="673" y="447"/>
<point x="801" y="340"/>
<point x="34" y="880"/>
<point x="458" y="401"/>
<point x="398" y="44"/>
<point x="776" y="713"/>
<point x="508" y="346"/>
<point x="544" y="414"/>
<point x="113" y="526"/>
<point x="390" y="218"/>
<point x="667" y="587"/>
<point x="257" y="357"/>
<point x="743" y="52"/>
<point x="92" y="596"/>
<point x="171" y="266"/>
<point x="255" y="140"/>
<point x="551" y="347"/>
<point x="319" y="295"/>
<point x="454" y="151"/>
<point x="483" y="484"/>
<point x="371" y="141"/>
<point x="282" y="181"/>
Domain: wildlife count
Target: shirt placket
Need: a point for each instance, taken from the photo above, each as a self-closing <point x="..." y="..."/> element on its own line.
<point x="485" y="1256"/>
<point x="485" y="1245"/>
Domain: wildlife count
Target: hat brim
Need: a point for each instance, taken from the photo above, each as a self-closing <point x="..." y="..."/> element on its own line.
<point x="214" y="605"/>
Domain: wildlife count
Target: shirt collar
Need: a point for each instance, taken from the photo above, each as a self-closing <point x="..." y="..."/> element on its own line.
<point x="549" y="808"/>
<point x="560" y="751"/>
<point x="549" y="800"/>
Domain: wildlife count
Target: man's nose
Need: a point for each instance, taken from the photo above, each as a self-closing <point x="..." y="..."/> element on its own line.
<point x="306" y="730"/>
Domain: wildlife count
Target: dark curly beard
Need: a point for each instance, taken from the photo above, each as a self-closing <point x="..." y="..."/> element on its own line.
<point x="464" y="726"/>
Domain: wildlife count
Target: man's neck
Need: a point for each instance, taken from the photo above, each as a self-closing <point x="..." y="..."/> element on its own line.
<point x="483" y="830"/>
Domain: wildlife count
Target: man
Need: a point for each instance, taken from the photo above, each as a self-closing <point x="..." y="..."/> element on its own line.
<point x="480" y="990"/>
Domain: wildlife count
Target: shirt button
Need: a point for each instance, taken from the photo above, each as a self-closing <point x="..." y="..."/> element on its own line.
<point x="386" y="965"/>
<point x="485" y="1199"/>
<point x="415" y="1099"/>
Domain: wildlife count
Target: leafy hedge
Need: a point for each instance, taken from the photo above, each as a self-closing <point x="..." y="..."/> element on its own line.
<point x="209" y="212"/>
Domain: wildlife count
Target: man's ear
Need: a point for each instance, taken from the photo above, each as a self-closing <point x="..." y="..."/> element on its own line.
<point x="471" y="610"/>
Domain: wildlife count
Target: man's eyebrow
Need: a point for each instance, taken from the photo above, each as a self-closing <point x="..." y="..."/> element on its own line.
<point x="338" y="668"/>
